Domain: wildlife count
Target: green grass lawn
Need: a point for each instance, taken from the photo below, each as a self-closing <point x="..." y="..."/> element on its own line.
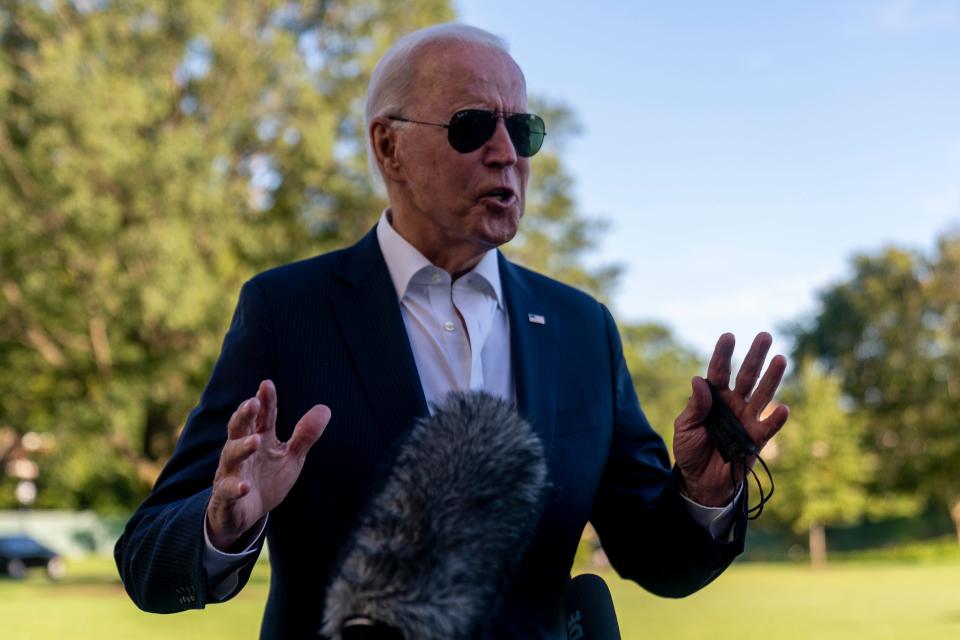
<point x="761" y="601"/>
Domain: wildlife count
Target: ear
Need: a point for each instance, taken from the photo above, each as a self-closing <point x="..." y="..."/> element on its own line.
<point x="383" y="139"/>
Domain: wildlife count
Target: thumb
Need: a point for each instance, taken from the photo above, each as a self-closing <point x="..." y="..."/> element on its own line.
<point x="698" y="406"/>
<point x="309" y="430"/>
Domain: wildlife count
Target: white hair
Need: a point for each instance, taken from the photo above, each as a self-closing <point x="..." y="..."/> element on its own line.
<point x="392" y="79"/>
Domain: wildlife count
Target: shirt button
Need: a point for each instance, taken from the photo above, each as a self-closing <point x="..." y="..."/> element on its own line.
<point x="436" y="277"/>
<point x="448" y="326"/>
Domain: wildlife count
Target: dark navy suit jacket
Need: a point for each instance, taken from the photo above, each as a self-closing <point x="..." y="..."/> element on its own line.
<point x="329" y="330"/>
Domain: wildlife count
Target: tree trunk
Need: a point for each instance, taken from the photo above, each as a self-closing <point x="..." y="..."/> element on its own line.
<point x="955" y="516"/>
<point x="818" y="545"/>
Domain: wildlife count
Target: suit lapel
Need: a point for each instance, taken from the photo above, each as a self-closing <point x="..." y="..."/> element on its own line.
<point x="368" y="312"/>
<point x="534" y="350"/>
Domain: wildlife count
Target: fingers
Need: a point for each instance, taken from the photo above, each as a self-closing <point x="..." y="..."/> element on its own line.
<point x="255" y="415"/>
<point x="308" y="430"/>
<point x="752" y="364"/>
<point x="698" y="406"/>
<point x="267" y="416"/>
<point x="223" y="519"/>
<point x="243" y="420"/>
<point x="236" y="451"/>
<point x="718" y="371"/>
<point x="768" y="385"/>
<point x="771" y="425"/>
<point x="231" y="489"/>
<point x="228" y="487"/>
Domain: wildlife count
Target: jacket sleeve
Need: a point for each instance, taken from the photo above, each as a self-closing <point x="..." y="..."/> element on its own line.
<point x="160" y="553"/>
<point x="642" y="520"/>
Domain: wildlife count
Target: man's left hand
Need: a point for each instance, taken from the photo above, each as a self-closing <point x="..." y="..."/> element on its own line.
<point x="706" y="477"/>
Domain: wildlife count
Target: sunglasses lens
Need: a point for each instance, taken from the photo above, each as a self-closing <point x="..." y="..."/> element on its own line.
<point x="526" y="132"/>
<point x="469" y="129"/>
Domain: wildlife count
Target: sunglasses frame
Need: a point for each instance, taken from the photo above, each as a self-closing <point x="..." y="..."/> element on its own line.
<point x="506" y="116"/>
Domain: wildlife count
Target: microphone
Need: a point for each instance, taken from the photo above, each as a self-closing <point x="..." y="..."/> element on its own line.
<point x="435" y="548"/>
<point x="589" y="609"/>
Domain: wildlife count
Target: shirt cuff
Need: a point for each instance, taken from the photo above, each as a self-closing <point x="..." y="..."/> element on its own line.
<point x="223" y="569"/>
<point x="718" y="521"/>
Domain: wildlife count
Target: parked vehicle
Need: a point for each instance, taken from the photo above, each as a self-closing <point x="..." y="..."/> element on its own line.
<point x="19" y="553"/>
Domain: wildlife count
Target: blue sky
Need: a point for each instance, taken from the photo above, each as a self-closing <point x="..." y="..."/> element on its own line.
<point x="744" y="151"/>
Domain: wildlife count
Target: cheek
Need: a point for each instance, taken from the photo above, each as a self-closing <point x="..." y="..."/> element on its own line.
<point x="454" y="178"/>
<point x="430" y="160"/>
<point x="523" y="171"/>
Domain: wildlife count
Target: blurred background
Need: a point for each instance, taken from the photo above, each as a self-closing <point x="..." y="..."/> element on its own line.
<point x="709" y="167"/>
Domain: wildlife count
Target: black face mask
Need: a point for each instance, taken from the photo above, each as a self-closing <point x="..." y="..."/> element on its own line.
<point x="736" y="447"/>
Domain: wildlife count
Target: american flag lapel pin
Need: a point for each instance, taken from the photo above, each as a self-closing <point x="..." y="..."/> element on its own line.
<point x="536" y="318"/>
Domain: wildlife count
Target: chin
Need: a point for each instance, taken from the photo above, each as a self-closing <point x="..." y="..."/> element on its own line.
<point x="499" y="234"/>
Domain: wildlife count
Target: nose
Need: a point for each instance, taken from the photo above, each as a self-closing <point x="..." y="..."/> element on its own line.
<point x="498" y="150"/>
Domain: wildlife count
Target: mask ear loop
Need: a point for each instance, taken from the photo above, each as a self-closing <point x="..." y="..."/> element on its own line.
<point x="752" y="513"/>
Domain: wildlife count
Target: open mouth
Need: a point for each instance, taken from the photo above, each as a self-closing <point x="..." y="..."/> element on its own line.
<point x="504" y="196"/>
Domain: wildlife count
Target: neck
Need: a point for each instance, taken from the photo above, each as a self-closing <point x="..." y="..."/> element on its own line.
<point x="456" y="258"/>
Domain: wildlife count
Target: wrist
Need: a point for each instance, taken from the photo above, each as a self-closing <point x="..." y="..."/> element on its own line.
<point x="222" y="541"/>
<point x="708" y="494"/>
<point x="231" y="540"/>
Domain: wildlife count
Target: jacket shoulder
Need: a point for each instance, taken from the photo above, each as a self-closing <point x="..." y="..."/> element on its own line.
<point x="301" y="271"/>
<point x="553" y="291"/>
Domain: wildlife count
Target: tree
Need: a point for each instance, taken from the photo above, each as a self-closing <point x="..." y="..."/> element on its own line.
<point x="822" y="471"/>
<point x="889" y="334"/>
<point x="941" y="447"/>
<point x="554" y="235"/>
<point x="155" y="155"/>
<point x="662" y="369"/>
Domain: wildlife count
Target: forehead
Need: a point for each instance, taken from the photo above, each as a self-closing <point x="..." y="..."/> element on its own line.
<point x="454" y="75"/>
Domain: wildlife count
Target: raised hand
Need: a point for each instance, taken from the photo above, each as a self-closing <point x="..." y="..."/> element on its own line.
<point x="256" y="470"/>
<point x="707" y="478"/>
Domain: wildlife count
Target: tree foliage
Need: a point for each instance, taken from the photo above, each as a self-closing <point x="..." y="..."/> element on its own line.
<point x="890" y="333"/>
<point x="555" y="236"/>
<point x="153" y="156"/>
<point x="821" y="469"/>
<point x="662" y="369"/>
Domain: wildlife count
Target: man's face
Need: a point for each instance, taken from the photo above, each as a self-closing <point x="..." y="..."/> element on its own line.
<point x="462" y="200"/>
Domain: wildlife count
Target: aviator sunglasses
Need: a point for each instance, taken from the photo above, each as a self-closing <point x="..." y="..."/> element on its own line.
<point x="469" y="129"/>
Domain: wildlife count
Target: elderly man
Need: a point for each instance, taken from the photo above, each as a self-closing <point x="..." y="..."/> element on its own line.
<point x="380" y="331"/>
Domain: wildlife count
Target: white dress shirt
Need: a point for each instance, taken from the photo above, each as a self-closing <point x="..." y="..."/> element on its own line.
<point x="459" y="333"/>
<point x="458" y="329"/>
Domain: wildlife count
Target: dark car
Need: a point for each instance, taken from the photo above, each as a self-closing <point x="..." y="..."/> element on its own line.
<point x="19" y="553"/>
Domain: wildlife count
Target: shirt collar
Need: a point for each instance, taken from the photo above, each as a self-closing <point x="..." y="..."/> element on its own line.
<point x="404" y="261"/>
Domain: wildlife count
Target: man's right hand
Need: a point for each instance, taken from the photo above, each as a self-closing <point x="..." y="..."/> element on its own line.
<point x="256" y="470"/>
